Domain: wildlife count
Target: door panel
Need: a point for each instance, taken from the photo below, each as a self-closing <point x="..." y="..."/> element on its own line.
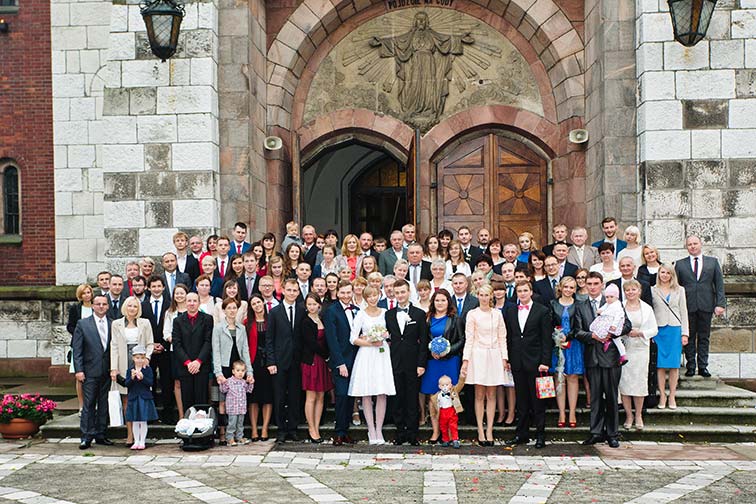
<point x="463" y="198"/>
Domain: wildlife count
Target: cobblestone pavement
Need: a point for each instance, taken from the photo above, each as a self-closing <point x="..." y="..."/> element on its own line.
<point x="58" y="473"/>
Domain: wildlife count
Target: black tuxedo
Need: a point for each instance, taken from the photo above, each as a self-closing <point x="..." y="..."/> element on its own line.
<point x="645" y="290"/>
<point x="528" y="349"/>
<point x="161" y="363"/>
<point x="284" y="350"/>
<point x="409" y="351"/>
<point x="342" y="353"/>
<point x="193" y="342"/>
<point x="603" y="370"/>
<point x="90" y="358"/>
<point x="242" y="283"/>
<point x="191" y="269"/>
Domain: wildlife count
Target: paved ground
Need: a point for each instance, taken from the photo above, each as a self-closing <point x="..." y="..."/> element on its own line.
<point x="56" y="472"/>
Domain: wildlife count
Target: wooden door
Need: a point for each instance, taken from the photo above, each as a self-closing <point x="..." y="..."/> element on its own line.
<point x="493" y="182"/>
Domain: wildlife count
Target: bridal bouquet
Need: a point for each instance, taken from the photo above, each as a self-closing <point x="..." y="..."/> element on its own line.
<point x="377" y="333"/>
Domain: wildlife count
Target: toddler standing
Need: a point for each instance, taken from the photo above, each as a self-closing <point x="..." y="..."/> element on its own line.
<point x="447" y="406"/>
<point x="236" y="389"/>
<point x="140" y="407"/>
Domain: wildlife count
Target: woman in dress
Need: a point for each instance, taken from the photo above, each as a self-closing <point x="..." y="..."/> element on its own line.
<point x="229" y="343"/>
<point x="504" y="395"/>
<point x="671" y="311"/>
<point x="126" y="333"/>
<point x="231" y="290"/>
<point x="651" y="261"/>
<point x="209" y="266"/>
<point x="210" y="251"/>
<point x="572" y="349"/>
<point x="608" y="267"/>
<point x="276" y="272"/>
<point x="527" y="245"/>
<point x="261" y="398"/>
<point x="535" y="264"/>
<point x="178" y="306"/>
<point x="206" y="299"/>
<point x="76" y="312"/>
<point x="484" y="360"/>
<point x="633" y="383"/>
<point x="494" y="252"/>
<point x="350" y="250"/>
<point x="431" y="250"/>
<point x="292" y="258"/>
<point x="581" y="291"/>
<point x="368" y="264"/>
<point x="456" y="262"/>
<point x="438" y="280"/>
<point x="423" y="295"/>
<point x="633" y="248"/>
<point x="331" y="262"/>
<point x="316" y="380"/>
<point x="442" y="321"/>
<point x="372" y="374"/>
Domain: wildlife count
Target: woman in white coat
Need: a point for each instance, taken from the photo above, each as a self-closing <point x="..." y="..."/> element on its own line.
<point x="126" y="333"/>
<point x="634" y="380"/>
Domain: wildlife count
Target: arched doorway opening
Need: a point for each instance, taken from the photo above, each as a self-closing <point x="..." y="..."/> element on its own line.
<point x="354" y="187"/>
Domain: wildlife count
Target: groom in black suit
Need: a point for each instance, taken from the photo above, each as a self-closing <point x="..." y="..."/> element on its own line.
<point x="338" y="321"/>
<point x="529" y="346"/>
<point x="409" y="353"/>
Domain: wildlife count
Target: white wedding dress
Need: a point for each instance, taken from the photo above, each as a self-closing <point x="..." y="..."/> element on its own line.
<point x="372" y="373"/>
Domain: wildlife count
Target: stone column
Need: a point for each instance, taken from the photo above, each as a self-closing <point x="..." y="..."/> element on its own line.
<point x="159" y="135"/>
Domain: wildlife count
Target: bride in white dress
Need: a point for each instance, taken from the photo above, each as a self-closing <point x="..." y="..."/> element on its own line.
<point x="372" y="374"/>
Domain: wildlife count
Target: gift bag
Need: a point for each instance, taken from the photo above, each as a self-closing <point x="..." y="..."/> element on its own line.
<point x="115" y="406"/>
<point x="545" y="387"/>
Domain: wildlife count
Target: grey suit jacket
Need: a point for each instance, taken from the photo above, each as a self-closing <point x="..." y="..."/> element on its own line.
<point x="387" y="259"/>
<point x="590" y="256"/>
<point x="88" y="355"/>
<point x="707" y="292"/>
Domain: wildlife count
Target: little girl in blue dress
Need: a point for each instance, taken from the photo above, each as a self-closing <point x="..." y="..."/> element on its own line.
<point x="140" y="407"/>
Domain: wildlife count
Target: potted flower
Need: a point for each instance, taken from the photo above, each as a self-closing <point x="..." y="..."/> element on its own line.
<point x="22" y="414"/>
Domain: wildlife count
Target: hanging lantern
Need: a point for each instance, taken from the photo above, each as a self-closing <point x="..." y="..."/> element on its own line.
<point x="163" y="20"/>
<point x="690" y="19"/>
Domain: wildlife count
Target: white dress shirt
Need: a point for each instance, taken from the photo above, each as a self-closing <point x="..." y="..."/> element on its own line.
<point x="522" y="315"/>
<point x="102" y="329"/>
<point x="700" y="265"/>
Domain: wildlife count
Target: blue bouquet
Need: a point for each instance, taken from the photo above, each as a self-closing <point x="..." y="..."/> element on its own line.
<point x="439" y="345"/>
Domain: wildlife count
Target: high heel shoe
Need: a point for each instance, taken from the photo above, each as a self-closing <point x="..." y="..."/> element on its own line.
<point x="560" y="425"/>
<point x="433" y="441"/>
<point x="572" y="425"/>
<point x="315" y="440"/>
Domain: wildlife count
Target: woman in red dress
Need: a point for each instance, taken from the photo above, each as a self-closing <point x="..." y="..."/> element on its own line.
<point x="316" y="379"/>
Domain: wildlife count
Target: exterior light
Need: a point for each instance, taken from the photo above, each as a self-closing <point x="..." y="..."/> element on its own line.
<point x="163" y="20"/>
<point x="690" y="19"/>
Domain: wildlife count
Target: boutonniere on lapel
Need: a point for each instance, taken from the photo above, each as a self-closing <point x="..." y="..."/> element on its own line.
<point x="403" y="318"/>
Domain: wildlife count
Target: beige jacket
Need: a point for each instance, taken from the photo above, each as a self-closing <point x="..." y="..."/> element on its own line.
<point x="434" y="411"/>
<point x="119" y="352"/>
<point x="676" y="314"/>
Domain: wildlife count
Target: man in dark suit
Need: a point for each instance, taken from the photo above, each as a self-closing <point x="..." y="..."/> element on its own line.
<point x="185" y="260"/>
<point x="418" y="269"/>
<point x="249" y="280"/>
<point x="91" y="358"/>
<point x="388" y="257"/>
<point x="284" y="353"/>
<point x="408" y="331"/>
<point x="304" y="280"/>
<point x="366" y="245"/>
<point x="529" y="347"/>
<point x="609" y="226"/>
<point x="602" y="366"/>
<point x="338" y="321"/>
<point x="546" y="287"/>
<point x="627" y="269"/>
<point x="308" y="245"/>
<point x="192" y="344"/>
<point x="522" y="274"/>
<point x="153" y="309"/>
<point x="116" y="296"/>
<point x="702" y="279"/>
<point x="239" y="246"/>
<point x="464" y="235"/>
<point x="561" y="251"/>
<point x="172" y="276"/>
<point x="510" y="284"/>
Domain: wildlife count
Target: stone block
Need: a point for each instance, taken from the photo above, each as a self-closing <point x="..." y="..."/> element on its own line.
<point x="745" y="83"/>
<point x="113" y="130"/>
<point x="667" y="204"/>
<point x="704" y="114"/>
<point x="187" y="213"/>
<point x="719" y="26"/>
<point x="195" y="184"/>
<point x="204" y="72"/>
<point x="659" y="115"/>
<point x="665" y="233"/>
<point x="741" y="311"/>
<point x="664" y="145"/>
<point x="68" y="180"/>
<point x="742" y="231"/>
<point x="738" y="143"/>
<point x="83" y="203"/>
<point x="122" y="242"/>
<point x="20" y="311"/>
<point x="93" y="226"/>
<point x="740" y="203"/>
<point x="702" y="174"/>
<point x="157" y="156"/>
<point x="89" y="60"/>
<point x="82" y="109"/>
<point x="155" y="241"/>
<point x="654" y="27"/>
<point x="119" y="186"/>
<point x="708" y="204"/>
<point x="157" y="184"/>
<point x="122" y="46"/>
<point x="58" y="62"/>
<point x="706" y="144"/>
<point x="145" y="73"/>
<point x="68" y="38"/>
<point x="195" y="156"/>
<point x="142" y="100"/>
<point x="679" y="57"/>
<point x="743" y="113"/>
<point x="181" y="72"/>
<point x="70" y="132"/>
<point x="190" y="17"/>
<point x="725" y="365"/>
<point x="207" y="16"/>
<point x="124" y="214"/>
<point x="742" y="172"/>
<point x="63" y="203"/>
<point x="196" y="44"/>
<point x="156" y="129"/>
<point x="657" y="86"/>
<point x="95" y="179"/>
<point x="748" y="365"/>
<point x="705" y="84"/>
<point x="13" y="330"/>
<point x="187" y="100"/>
<point x="59" y="14"/>
<point x="713" y="232"/>
<point x="70" y="273"/>
<point x="158" y="214"/>
<point x="97" y="37"/>
<point x="119" y="18"/>
<point x="72" y="62"/>
<point x="744" y="24"/>
<point x="650" y="57"/>
<point x="69" y="226"/>
<point x="123" y="158"/>
<point x="19" y="349"/>
<point x="740" y="262"/>
<point x="116" y="101"/>
<point x="61" y="109"/>
<point x="83" y="250"/>
<point x="90" y="13"/>
<point x="60" y="156"/>
<point x="81" y="156"/>
<point x="727" y="53"/>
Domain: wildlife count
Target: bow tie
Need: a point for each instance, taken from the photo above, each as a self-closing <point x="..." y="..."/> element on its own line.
<point x="446" y="394"/>
<point x="523" y="307"/>
<point x="350" y="308"/>
<point x="405" y="310"/>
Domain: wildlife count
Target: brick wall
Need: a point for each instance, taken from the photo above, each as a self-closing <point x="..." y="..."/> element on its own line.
<point x="26" y="137"/>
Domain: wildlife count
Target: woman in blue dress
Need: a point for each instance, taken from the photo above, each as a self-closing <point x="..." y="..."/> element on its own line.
<point x="442" y="321"/>
<point x="563" y="314"/>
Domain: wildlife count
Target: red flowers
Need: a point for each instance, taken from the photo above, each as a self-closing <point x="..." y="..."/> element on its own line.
<point x="29" y="406"/>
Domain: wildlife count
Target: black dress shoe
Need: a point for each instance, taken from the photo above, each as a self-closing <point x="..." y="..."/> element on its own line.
<point x="517" y="440"/>
<point x="292" y="437"/>
<point x="414" y="442"/>
<point x="540" y="442"/>
<point x="280" y="439"/>
<point x="690" y="372"/>
<point x="85" y="445"/>
<point x="613" y="443"/>
<point x="104" y="441"/>
<point x="593" y="440"/>
<point x="338" y="441"/>
<point x="705" y="373"/>
<point x="398" y="441"/>
<point x="348" y="440"/>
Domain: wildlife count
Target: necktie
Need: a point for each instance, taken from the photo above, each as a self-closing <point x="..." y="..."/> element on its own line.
<point x="415" y="270"/>
<point x="172" y="282"/>
<point x="594" y="304"/>
<point x="460" y="302"/>
<point x="695" y="267"/>
<point x="291" y="316"/>
<point x="223" y="268"/>
<point x="156" y="311"/>
<point x="391" y="304"/>
<point x="553" y="284"/>
<point x="238" y="249"/>
<point x="303" y="288"/>
<point x="523" y="307"/>
<point x="270" y="305"/>
<point x="249" y="286"/>
<point x="509" y="290"/>
<point x="115" y="305"/>
<point x="103" y="330"/>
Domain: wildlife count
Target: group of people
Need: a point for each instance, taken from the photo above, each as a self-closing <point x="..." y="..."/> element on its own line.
<point x="414" y="331"/>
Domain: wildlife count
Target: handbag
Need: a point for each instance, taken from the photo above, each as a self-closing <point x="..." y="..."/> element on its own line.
<point x="545" y="387"/>
<point x="115" y="406"/>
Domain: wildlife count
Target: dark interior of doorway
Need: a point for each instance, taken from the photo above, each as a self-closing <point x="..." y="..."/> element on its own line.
<point x="378" y="198"/>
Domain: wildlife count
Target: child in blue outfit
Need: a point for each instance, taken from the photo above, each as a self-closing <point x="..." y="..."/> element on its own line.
<point x="140" y="407"/>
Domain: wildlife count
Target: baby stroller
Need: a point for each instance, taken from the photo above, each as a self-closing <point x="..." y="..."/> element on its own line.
<point x="197" y="429"/>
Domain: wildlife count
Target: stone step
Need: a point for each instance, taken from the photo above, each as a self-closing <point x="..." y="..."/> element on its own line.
<point x="698" y="382"/>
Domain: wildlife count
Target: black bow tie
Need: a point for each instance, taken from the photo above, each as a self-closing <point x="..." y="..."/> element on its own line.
<point x="446" y="394"/>
<point x="405" y="310"/>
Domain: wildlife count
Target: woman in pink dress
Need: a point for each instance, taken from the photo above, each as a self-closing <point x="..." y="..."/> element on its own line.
<point x="484" y="360"/>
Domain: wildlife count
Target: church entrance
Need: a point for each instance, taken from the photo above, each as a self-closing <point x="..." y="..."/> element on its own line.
<point x="493" y="182"/>
<point x="354" y="188"/>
